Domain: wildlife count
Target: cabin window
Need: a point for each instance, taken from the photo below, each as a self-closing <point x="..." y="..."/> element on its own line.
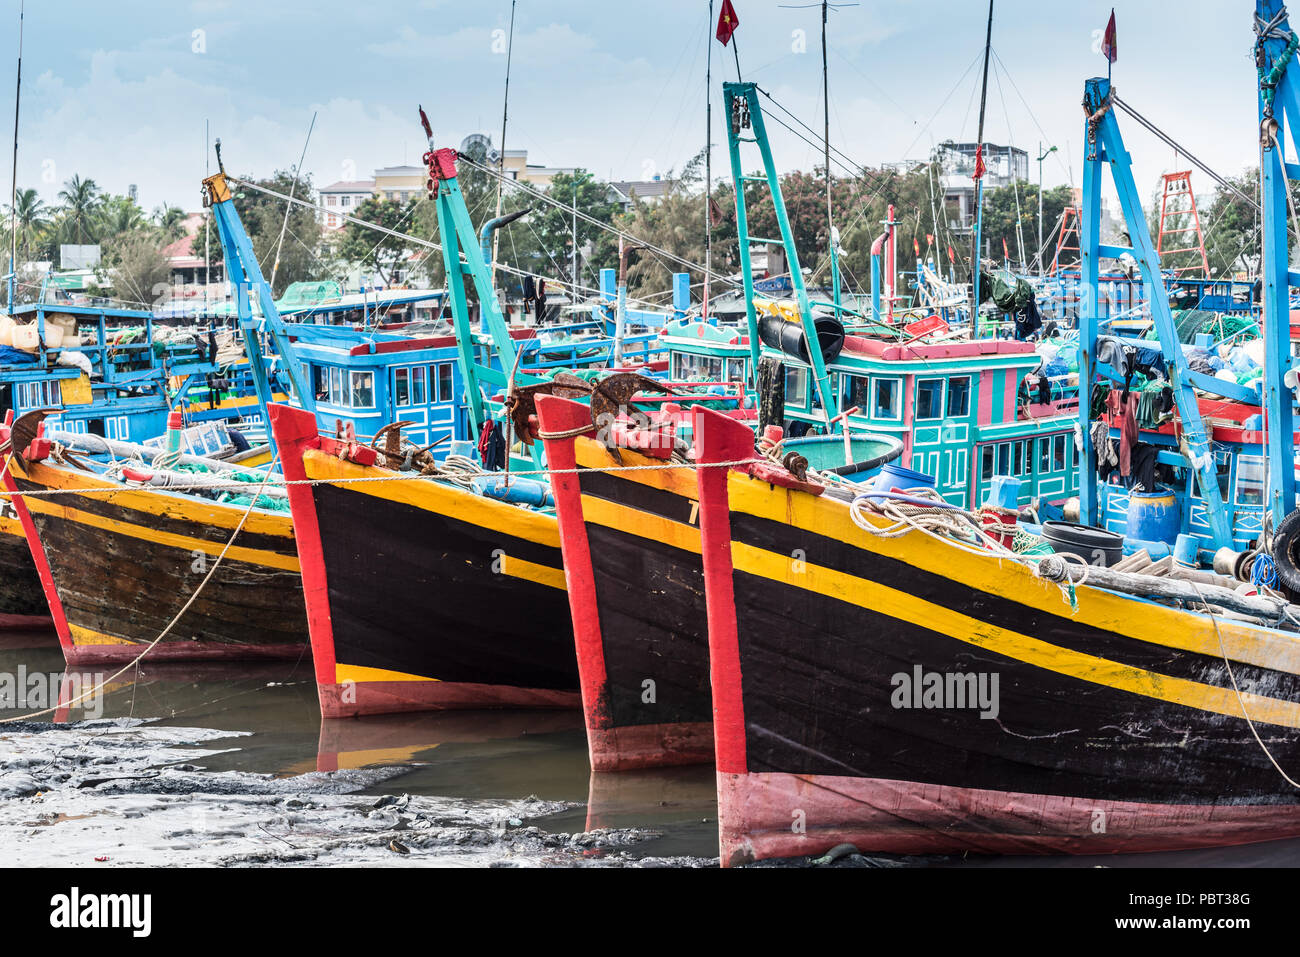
<point x="796" y="386"/>
<point x="854" y="390"/>
<point x="402" y="386"/>
<point x="1018" y="467"/>
<point x="419" y="391"/>
<point x="959" y="396"/>
<point x="444" y="382"/>
<point x="1004" y="458"/>
<point x="338" y="387"/>
<point x="1250" y="480"/>
<point x="735" y="370"/>
<point x="929" y="399"/>
<point x="1223" y="462"/>
<point x="1044" y="455"/>
<point x="986" y="462"/>
<point x="1058" y="453"/>
<point x="886" y="403"/>
<point x="363" y="390"/>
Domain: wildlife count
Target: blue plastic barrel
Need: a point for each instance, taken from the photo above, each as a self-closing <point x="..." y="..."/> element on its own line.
<point x="894" y="476"/>
<point x="1154" y="516"/>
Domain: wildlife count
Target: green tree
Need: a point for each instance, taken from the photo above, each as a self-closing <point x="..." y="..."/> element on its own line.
<point x="1011" y="216"/>
<point x="117" y="216"/>
<point x="373" y="250"/>
<point x="134" y="268"/>
<point x="263" y="216"/>
<point x="81" y="199"/>
<point x="32" y="219"/>
<point x="171" y="220"/>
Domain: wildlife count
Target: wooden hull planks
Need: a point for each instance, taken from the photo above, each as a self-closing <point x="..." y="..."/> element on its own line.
<point x="22" y="601"/>
<point x="1115" y="727"/>
<point x="636" y="589"/>
<point x="116" y="568"/>
<point x="423" y="596"/>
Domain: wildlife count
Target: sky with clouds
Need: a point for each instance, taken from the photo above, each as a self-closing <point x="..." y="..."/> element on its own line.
<point x="121" y="92"/>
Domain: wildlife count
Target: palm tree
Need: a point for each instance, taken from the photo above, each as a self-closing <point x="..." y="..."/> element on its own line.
<point x="81" y="200"/>
<point x="30" y="216"/>
<point x="118" y="215"/>
<point x="171" y="220"/>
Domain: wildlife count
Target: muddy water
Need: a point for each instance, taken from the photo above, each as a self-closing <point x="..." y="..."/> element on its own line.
<point x="232" y="765"/>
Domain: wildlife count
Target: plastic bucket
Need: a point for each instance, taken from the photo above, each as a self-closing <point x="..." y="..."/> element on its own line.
<point x="897" y="477"/>
<point x="1154" y="516"/>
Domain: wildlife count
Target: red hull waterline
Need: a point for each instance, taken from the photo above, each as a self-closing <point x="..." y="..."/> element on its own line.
<point x="89" y="655"/>
<point x="762" y="815"/>
<point x="354" y="699"/>
<point x="610" y="746"/>
<point x="25" y="622"/>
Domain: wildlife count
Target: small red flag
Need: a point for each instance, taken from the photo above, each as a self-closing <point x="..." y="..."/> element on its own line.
<point x="929" y="239"/>
<point x="916" y="246"/>
<point x="951" y="257"/>
<point x="1006" y="253"/>
<point x="727" y="22"/>
<point x="980" y="168"/>
<point x="715" y="212"/>
<point x="1108" y="47"/>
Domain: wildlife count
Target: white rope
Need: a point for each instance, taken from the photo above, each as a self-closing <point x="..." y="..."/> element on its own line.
<point x="170" y="625"/>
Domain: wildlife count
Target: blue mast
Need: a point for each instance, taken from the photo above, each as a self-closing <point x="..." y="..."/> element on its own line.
<point x="245" y="276"/>
<point x="1279" y="118"/>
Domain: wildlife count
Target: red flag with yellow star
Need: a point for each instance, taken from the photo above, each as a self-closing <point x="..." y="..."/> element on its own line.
<point x="727" y="22"/>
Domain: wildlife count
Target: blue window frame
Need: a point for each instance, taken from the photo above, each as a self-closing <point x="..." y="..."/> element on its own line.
<point x="929" y="399"/>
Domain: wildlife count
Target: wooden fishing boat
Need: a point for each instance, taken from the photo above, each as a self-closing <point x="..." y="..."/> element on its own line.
<point x="422" y="595"/>
<point x="22" y="602"/>
<point x="1119" y="725"/>
<point x="630" y="536"/>
<point x="117" y="561"/>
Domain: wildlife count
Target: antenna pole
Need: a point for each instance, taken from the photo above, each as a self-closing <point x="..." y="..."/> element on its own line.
<point x="501" y="163"/>
<point x="708" y="170"/>
<point x="288" y="207"/>
<point x="13" y="185"/>
<point x="979" y="183"/>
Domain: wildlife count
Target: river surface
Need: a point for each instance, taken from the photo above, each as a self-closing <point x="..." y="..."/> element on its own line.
<point x="232" y="765"/>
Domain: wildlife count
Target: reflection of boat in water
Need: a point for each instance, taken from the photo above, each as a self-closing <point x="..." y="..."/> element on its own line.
<point x="386" y="739"/>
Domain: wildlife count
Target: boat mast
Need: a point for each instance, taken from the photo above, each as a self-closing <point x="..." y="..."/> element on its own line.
<point x="979" y="181"/>
<point x="288" y="207"/>
<point x="826" y="157"/>
<point x="708" y="169"/>
<point x="13" y="184"/>
<point x="501" y="162"/>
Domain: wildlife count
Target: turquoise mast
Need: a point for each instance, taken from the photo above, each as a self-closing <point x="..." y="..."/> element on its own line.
<point x="744" y="114"/>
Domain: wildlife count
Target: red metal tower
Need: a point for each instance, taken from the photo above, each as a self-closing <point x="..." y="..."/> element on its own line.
<point x="1178" y="218"/>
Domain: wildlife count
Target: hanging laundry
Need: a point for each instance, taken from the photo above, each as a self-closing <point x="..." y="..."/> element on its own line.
<point x="541" y="301"/>
<point x="1124" y="406"/>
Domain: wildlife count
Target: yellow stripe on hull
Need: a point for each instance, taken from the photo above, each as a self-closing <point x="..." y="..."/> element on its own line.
<point x="85" y="636"/>
<point x="623" y="518"/>
<point x="430" y="496"/>
<point x="1128" y="617"/>
<point x="360" y="673"/>
<point x="198" y="511"/>
<point x="253" y="556"/>
<point x="531" y="571"/>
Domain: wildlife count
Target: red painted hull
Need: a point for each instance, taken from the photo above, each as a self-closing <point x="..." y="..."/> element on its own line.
<point x="632" y="747"/>
<point x="350" y="700"/>
<point x="757" y="815"/>
<point x="88" y="655"/>
<point x="25" y="622"/>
